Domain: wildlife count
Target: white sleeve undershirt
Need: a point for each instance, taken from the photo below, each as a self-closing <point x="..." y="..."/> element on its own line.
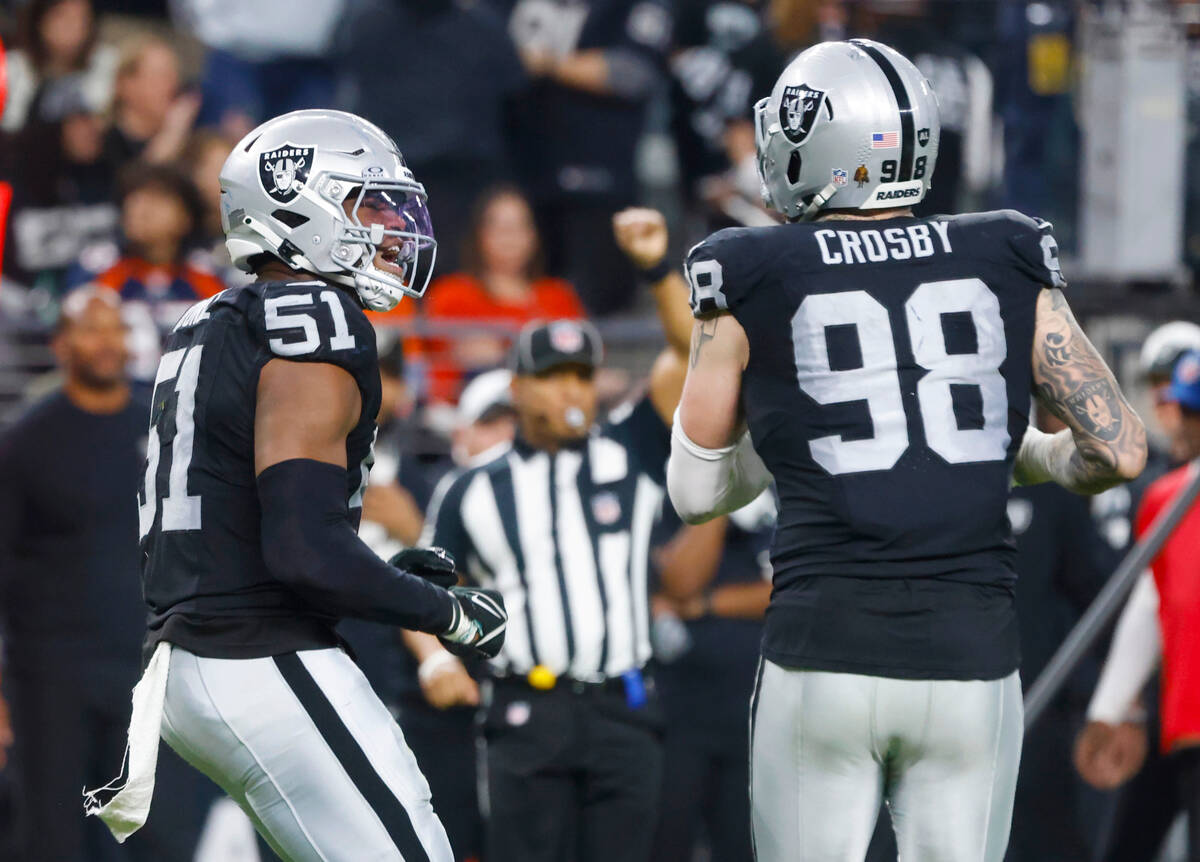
<point x="1132" y="658"/>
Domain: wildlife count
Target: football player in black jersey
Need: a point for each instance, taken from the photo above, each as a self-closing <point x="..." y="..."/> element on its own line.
<point x="881" y="368"/>
<point x="261" y="434"/>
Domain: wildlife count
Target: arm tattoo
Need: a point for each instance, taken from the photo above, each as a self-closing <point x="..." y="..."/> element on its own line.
<point x="701" y="335"/>
<point x="1073" y="382"/>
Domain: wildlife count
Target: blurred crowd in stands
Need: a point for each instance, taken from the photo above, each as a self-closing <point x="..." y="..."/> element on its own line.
<point x="529" y="122"/>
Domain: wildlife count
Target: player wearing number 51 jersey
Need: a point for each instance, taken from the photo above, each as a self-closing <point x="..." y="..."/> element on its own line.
<point x="261" y="434"/>
<point x="881" y="367"/>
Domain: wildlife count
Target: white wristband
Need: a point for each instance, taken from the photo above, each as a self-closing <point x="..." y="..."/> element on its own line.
<point x="463" y="629"/>
<point x="436" y="664"/>
<point x="1034" y="462"/>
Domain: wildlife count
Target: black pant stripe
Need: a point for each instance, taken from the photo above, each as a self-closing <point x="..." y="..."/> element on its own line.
<point x="353" y="759"/>
<point x="907" y="135"/>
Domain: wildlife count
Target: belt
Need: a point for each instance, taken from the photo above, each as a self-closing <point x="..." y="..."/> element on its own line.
<point x="611" y="685"/>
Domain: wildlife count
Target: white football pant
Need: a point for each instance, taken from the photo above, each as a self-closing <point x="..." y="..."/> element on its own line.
<point x="827" y="747"/>
<point x="304" y="745"/>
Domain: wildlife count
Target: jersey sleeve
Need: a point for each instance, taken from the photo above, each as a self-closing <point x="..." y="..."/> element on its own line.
<point x="1034" y="249"/>
<point x="314" y="322"/>
<point x="714" y="272"/>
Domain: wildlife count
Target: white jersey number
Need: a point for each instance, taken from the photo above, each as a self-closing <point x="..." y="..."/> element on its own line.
<point x="341" y="339"/>
<point x="877" y="381"/>
<point x="180" y="510"/>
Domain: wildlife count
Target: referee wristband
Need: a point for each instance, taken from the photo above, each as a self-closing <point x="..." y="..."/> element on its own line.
<point x="654" y="274"/>
<point x="435" y="664"/>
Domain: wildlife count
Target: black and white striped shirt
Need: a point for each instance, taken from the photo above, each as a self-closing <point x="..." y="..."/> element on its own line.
<point x="565" y="537"/>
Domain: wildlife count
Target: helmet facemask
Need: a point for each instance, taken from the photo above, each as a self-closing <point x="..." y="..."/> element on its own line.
<point x="761" y="139"/>
<point x="386" y="241"/>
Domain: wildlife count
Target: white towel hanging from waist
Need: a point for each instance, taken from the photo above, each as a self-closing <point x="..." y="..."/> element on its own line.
<point x="126" y="812"/>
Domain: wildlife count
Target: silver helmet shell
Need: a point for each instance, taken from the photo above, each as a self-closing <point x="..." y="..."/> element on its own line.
<point x="849" y="125"/>
<point x="325" y="192"/>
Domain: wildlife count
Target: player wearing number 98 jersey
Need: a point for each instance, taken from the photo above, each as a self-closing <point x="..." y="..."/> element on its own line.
<point x="261" y="434"/>
<point x="881" y="367"/>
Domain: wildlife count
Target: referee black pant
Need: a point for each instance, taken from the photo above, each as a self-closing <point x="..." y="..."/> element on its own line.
<point x="573" y="774"/>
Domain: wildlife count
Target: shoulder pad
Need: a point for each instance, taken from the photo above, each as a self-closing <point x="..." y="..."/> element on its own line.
<point x="711" y="267"/>
<point x="1034" y="250"/>
<point x="313" y="322"/>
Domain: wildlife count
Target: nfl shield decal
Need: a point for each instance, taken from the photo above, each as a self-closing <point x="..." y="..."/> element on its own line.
<point x="923" y="137"/>
<point x="606" y="508"/>
<point x="281" y="168"/>
<point x="798" y="111"/>
<point x="566" y="337"/>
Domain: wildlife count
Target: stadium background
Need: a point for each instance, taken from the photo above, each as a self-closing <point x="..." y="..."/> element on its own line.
<point x="120" y="111"/>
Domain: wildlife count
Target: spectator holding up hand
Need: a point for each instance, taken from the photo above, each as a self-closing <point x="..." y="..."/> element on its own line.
<point x="152" y="116"/>
<point x="594" y="65"/>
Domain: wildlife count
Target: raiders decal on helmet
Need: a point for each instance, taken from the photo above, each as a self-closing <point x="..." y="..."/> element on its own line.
<point x="279" y="169"/>
<point x="798" y="111"/>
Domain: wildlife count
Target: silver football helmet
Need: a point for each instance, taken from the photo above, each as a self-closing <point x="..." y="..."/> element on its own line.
<point x="329" y="193"/>
<point x="849" y="125"/>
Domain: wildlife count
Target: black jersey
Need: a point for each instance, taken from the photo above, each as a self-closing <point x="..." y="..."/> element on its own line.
<point x="888" y="388"/>
<point x="203" y="572"/>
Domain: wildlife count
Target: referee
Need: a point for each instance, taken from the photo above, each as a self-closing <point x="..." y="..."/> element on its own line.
<point x="561" y="525"/>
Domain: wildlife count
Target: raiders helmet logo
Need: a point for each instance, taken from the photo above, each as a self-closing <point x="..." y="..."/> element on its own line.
<point x="281" y="168"/>
<point x="798" y="111"/>
<point x="923" y="137"/>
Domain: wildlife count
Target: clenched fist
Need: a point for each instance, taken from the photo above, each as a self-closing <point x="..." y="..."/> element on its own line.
<point x="641" y="233"/>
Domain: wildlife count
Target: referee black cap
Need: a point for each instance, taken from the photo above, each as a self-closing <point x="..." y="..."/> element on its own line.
<point x="543" y="345"/>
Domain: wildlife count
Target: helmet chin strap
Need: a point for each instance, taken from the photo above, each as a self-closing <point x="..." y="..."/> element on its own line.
<point x="820" y="199"/>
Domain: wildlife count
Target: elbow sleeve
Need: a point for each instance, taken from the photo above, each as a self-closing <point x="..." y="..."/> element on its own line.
<point x="309" y="543"/>
<point x="704" y="483"/>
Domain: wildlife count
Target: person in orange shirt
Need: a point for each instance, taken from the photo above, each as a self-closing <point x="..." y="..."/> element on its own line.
<point x="501" y="287"/>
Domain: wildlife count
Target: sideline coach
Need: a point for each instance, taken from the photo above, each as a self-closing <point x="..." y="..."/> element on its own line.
<point x="560" y="524"/>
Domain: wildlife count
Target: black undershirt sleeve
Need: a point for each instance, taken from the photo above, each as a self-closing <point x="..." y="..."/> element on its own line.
<point x="309" y="543"/>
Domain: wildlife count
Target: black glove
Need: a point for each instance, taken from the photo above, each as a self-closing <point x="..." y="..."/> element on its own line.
<point x="433" y="564"/>
<point x="478" y="625"/>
